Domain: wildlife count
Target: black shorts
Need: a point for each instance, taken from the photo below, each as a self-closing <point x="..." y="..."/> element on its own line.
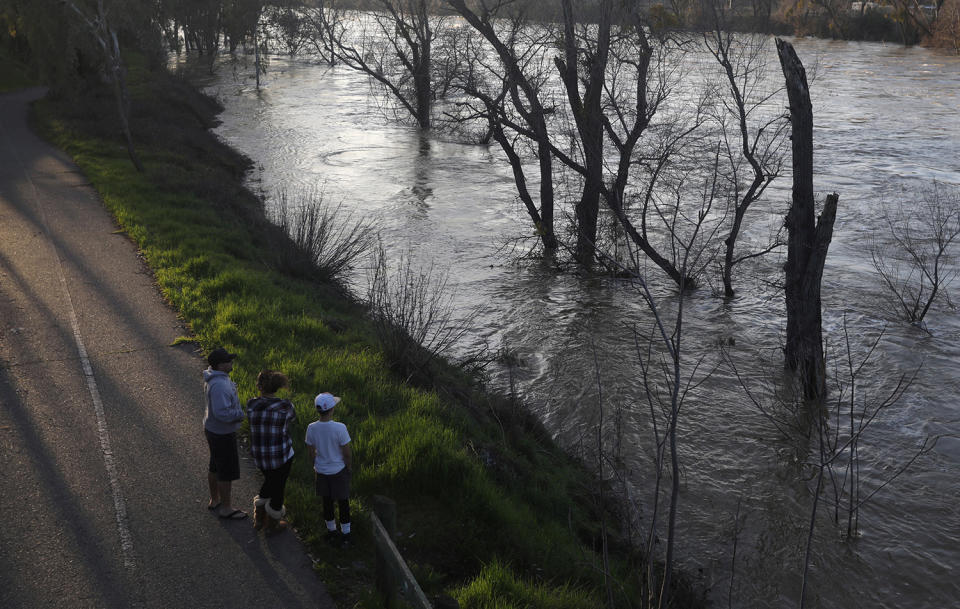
<point x="335" y="485"/>
<point x="224" y="458"/>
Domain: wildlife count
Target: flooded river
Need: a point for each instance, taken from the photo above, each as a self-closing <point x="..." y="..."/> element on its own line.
<point x="886" y="118"/>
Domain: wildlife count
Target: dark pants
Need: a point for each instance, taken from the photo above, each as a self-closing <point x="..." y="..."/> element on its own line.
<point x="274" y="483"/>
<point x="344" y="505"/>
<point x="334" y="486"/>
<point x="224" y="458"/>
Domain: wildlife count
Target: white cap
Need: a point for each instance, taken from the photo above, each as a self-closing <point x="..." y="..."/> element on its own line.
<point x="326" y="401"/>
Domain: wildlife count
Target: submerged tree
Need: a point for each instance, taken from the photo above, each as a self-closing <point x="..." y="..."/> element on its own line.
<point x="914" y="253"/>
<point x="753" y="139"/>
<point x="668" y="377"/>
<point x="200" y="22"/>
<point x="616" y="76"/>
<point x="321" y="24"/>
<point x="945" y="31"/>
<point x="808" y="238"/>
<point x="394" y="46"/>
<point x="510" y="101"/>
<point x="583" y="63"/>
<point x="591" y="126"/>
<point x="832" y="444"/>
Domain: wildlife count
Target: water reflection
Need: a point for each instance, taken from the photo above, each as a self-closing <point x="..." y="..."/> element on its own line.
<point x="421" y="190"/>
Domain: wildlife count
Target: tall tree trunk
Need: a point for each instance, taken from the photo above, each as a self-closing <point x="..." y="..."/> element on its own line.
<point x="586" y="213"/>
<point x="423" y="86"/>
<point x="525" y="99"/>
<point x="808" y="239"/>
<point x="256" y="54"/>
<point x="588" y="115"/>
<point x="422" y="52"/>
<point x="545" y="228"/>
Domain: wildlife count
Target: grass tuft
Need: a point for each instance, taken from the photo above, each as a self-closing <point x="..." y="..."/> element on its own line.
<point x="497" y="587"/>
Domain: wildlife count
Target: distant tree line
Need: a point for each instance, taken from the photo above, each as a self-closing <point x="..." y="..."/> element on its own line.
<point x="932" y="22"/>
<point x="47" y="32"/>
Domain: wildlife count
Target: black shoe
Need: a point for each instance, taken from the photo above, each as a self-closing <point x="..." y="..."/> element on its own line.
<point x="345" y="540"/>
<point x="331" y="537"/>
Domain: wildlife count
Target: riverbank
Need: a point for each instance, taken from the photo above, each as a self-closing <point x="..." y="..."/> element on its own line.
<point x="490" y="510"/>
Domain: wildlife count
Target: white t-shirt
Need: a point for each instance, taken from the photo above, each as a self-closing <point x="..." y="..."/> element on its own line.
<point x="327" y="437"/>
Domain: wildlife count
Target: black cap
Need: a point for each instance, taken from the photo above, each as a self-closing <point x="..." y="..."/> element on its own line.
<point x="219" y="356"/>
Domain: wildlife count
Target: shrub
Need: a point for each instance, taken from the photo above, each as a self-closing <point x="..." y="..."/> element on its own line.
<point x="914" y="255"/>
<point x="324" y="243"/>
<point x="413" y="315"/>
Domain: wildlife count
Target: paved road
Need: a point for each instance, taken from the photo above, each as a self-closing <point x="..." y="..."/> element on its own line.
<point x="102" y="456"/>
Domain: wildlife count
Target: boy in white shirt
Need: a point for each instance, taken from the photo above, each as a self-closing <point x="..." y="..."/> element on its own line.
<point x="329" y="446"/>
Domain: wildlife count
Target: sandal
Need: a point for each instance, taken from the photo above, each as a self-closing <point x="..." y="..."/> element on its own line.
<point x="234" y="515"/>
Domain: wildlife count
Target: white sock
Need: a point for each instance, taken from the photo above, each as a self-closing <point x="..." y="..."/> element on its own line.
<point x="345" y="528"/>
<point x="331" y="525"/>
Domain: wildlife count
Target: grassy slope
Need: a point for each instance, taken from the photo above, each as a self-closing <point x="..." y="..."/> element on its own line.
<point x="489" y="509"/>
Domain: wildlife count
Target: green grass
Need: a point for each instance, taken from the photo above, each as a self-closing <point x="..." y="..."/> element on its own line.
<point x="497" y="587"/>
<point x="474" y="492"/>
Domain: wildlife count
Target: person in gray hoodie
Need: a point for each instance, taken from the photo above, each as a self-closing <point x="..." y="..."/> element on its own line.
<point x="220" y="424"/>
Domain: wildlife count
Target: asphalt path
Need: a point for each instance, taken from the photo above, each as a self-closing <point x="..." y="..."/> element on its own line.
<point x="103" y="486"/>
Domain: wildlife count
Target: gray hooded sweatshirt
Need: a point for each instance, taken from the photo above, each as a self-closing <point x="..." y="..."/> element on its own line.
<point x="224" y="414"/>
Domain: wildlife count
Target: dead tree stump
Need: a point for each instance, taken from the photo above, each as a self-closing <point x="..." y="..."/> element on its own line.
<point x="808" y="240"/>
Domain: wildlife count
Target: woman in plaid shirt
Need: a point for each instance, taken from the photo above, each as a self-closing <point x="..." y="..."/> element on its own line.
<point x="272" y="448"/>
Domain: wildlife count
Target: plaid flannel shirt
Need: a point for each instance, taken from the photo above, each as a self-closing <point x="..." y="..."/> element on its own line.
<point x="270" y="441"/>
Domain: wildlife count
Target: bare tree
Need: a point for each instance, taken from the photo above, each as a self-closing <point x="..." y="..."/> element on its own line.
<point x="612" y="95"/>
<point x="678" y="380"/>
<point x="660" y="155"/>
<point x="648" y="156"/>
<point x="413" y="315"/>
<point x="945" y="31"/>
<point x="614" y="79"/>
<point x="854" y="411"/>
<point x="97" y="24"/>
<point x="754" y="149"/>
<point x="508" y="86"/>
<point x="592" y="54"/>
<point x="322" y="25"/>
<point x="668" y="379"/>
<point x="914" y="254"/>
<point x="394" y="46"/>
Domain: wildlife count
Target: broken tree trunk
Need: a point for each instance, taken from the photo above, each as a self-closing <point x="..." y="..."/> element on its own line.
<point x="808" y="240"/>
